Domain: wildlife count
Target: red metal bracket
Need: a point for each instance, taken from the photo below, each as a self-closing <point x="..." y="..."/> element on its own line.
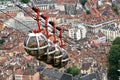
<point x="37" y="10"/>
<point x="62" y="44"/>
<point x="54" y="32"/>
<point x="46" y="25"/>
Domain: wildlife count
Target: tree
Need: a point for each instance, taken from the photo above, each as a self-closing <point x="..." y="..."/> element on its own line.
<point x="28" y="65"/>
<point x="116" y="41"/>
<point x="2" y="41"/>
<point x="2" y="3"/>
<point x="88" y="12"/>
<point x="25" y="1"/>
<point x="113" y="71"/>
<point x="114" y="7"/>
<point x="83" y="2"/>
<point x="114" y="60"/>
<point x="73" y="70"/>
<point x="118" y="64"/>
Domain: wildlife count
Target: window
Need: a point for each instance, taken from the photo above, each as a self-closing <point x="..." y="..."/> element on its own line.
<point x="18" y="77"/>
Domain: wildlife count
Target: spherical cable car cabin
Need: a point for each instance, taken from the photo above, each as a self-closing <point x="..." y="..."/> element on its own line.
<point x="65" y="58"/>
<point x="51" y="52"/>
<point x="54" y="53"/>
<point x="36" y="43"/>
<point x="58" y="57"/>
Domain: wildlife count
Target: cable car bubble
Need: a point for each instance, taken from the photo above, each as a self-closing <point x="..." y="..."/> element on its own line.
<point x="58" y="57"/>
<point x="36" y="44"/>
<point x="51" y="52"/>
<point x="65" y="58"/>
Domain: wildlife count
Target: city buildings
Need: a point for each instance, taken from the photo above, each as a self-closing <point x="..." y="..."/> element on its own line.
<point x="87" y="37"/>
<point x="77" y="32"/>
<point x="111" y="31"/>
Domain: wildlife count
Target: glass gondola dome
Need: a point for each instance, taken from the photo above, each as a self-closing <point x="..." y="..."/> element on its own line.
<point x="57" y="57"/>
<point x="51" y="52"/>
<point x="48" y="57"/>
<point x="36" y="44"/>
<point x="65" y="58"/>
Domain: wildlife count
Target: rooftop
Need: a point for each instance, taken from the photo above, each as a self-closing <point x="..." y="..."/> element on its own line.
<point x="111" y="28"/>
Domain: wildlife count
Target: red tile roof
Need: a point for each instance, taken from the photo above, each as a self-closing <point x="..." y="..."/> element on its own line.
<point x="36" y="76"/>
<point x="12" y="14"/>
<point x="67" y="1"/>
<point x="3" y="59"/>
<point x="19" y="71"/>
<point x="1" y="25"/>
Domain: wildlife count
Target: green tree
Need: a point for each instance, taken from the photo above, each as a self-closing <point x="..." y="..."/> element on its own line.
<point x="118" y="64"/>
<point x="2" y="2"/>
<point x="73" y="70"/>
<point x="28" y="65"/>
<point x="114" y="60"/>
<point x="83" y="2"/>
<point x="116" y="41"/>
<point x="88" y="12"/>
<point x="114" y="7"/>
<point x="25" y="1"/>
<point x="2" y="41"/>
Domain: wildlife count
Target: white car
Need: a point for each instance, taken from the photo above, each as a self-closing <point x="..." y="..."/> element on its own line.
<point x="2" y="7"/>
<point x="10" y="5"/>
<point x="24" y="5"/>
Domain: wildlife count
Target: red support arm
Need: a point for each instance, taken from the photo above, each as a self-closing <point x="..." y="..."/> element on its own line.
<point x="37" y="10"/>
<point x="46" y="25"/>
<point x="54" y="32"/>
<point x="61" y="41"/>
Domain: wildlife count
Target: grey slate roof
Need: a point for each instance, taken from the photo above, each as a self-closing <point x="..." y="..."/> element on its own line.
<point x="91" y="76"/>
<point x="54" y="74"/>
<point x="66" y="76"/>
<point x="40" y="69"/>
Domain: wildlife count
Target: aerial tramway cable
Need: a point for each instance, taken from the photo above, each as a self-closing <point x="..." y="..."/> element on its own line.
<point x="16" y="20"/>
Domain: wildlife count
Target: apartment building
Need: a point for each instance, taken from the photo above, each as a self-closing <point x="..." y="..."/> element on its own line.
<point x="111" y="31"/>
<point x="77" y="32"/>
<point x="45" y="4"/>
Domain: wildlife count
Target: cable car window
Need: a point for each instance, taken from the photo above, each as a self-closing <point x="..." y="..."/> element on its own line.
<point x="26" y="41"/>
<point x="32" y="43"/>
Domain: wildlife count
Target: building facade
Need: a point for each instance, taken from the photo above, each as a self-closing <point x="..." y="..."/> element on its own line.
<point x="111" y="31"/>
<point x="77" y="32"/>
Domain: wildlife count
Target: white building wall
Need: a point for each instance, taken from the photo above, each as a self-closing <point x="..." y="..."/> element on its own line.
<point x="22" y="22"/>
<point x="83" y="30"/>
<point x="71" y="33"/>
<point x="58" y="20"/>
<point x="102" y="39"/>
<point x="43" y="6"/>
<point x="18" y="77"/>
<point x="77" y="33"/>
<point x="60" y="7"/>
<point x="111" y="35"/>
